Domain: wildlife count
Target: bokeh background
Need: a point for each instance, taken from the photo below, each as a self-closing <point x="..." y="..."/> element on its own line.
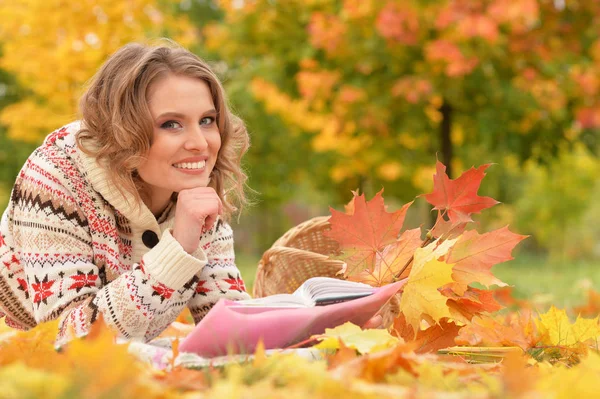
<point x="340" y="95"/>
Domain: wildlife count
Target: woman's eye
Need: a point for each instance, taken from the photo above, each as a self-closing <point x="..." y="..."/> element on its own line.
<point x="207" y="121"/>
<point x="170" y="125"/>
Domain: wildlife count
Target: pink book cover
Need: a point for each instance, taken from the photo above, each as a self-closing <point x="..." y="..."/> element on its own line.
<point x="229" y="328"/>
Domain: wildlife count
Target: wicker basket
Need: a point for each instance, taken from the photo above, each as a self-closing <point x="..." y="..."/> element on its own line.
<point x="302" y="253"/>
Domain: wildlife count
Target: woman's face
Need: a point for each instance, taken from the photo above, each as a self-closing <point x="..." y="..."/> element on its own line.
<point x="186" y="138"/>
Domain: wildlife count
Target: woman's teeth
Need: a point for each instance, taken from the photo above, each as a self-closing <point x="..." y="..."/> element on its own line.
<point x="190" y="165"/>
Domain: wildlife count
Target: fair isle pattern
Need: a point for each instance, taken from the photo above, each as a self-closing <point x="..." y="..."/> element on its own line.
<point x="71" y="248"/>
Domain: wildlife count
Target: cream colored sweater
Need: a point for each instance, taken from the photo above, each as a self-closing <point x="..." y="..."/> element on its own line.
<point x="71" y="247"/>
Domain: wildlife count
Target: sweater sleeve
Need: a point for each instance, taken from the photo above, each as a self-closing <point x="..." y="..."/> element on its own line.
<point x="66" y="272"/>
<point x="220" y="277"/>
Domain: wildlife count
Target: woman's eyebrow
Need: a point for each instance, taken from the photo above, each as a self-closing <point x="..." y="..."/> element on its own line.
<point x="171" y="113"/>
<point x="180" y="115"/>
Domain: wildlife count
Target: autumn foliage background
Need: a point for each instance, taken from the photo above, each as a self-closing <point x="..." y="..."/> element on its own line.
<point x="340" y="95"/>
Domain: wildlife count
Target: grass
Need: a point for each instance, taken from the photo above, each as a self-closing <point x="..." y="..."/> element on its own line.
<point x="544" y="282"/>
<point x="247" y="263"/>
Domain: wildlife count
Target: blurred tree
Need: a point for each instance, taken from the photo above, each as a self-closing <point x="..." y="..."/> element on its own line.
<point x="384" y="85"/>
<point x="12" y="152"/>
<point x="53" y="47"/>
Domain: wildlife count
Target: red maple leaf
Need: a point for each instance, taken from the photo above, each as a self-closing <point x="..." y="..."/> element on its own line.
<point x="82" y="280"/>
<point x="459" y="197"/>
<point x="366" y="232"/>
<point x="42" y="290"/>
<point x="235" y="283"/>
<point x="474" y="254"/>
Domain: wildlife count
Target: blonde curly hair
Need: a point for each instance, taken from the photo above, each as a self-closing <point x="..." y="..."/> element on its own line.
<point x="117" y="120"/>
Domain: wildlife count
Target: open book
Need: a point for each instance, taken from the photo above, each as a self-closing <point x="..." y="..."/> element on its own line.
<point x="316" y="291"/>
<point x="236" y="328"/>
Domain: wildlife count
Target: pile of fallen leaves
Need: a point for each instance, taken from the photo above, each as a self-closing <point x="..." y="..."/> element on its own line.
<point x="459" y="332"/>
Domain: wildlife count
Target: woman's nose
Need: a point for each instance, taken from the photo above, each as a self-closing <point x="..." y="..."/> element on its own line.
<point x="195" y="139"/>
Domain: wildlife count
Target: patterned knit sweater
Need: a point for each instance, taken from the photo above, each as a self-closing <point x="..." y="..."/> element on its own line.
<point x="72" y="247"/>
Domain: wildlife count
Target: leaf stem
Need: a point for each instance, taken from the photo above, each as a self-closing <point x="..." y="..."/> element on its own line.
<point x="427" y="240"/>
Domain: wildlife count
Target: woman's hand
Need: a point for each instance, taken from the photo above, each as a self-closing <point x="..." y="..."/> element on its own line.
<point x="374" y="322"/>
<point x="196" y="212"/>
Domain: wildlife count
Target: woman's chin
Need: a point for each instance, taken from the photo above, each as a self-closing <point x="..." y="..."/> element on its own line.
<point x="194" y="183"/>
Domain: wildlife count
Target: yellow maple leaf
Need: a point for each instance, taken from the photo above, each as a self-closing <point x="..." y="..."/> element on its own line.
<point x="556" y="330"/>
<point x="34" y="348"/>
<point x="352" y="336"/>
<point x="579" y="381"/>
<point x="421" y="298"/>
<point x="20" y="381"/>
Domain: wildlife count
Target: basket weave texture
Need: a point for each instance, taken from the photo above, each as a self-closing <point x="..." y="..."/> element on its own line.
<point x="301" y="253"/>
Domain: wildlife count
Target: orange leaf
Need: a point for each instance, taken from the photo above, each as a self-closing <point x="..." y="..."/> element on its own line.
<point x="446" y="228"/>
<point x="183" y="379"/>
<point x="505" y="296"/>
<point x="366" y="232"/>
<point x="514" y="330"/>
<point x="349" y="207"/>
<point x="391" y="260"/>
<point x="592" y="307"/>
<point x="474" y="254"/>
<point x="343" y="355"/>
<point x="472" y="303"/>
<point x="459" y="197"/>
<point x="518" y="377"/>
<point x="375" y="367"/>
<point x="438" y="336"/>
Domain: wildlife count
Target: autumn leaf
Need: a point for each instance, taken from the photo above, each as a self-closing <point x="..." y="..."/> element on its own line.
<point x="514" y="329"/>
<point x="474" y="254"/>
<point x="592" y="307"/>
<point x="352" y="336"/>
<point x="260" y="355"/>
<point x="517" y="377"/>
<point x="364" y="234"/>
<point x="341" y="356"/>
<point x="506" y="298"/>
<point x="459" y="197"/>
<point x="556" y="330"/>
<point x="472" y="303"/>
<point x="20" y="381"/>
<point x="391" y="260"/>
<point x="421" y="298"/>
<point x="183" y="379"/>
<point x="446" y="228"/>
<point x="375" y="367"/>
<point x="438" y="336"/>
<point x="579" y="381"/>
<point x="34" y="348"/>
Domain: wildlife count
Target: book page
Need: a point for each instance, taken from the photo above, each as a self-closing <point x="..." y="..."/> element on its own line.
<point x="327" y="289"/>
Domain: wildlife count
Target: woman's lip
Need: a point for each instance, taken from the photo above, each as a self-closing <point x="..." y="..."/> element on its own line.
<point x="191" y="171"/>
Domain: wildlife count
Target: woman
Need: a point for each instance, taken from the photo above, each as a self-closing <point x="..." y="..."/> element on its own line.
<point x="124" y="214"/>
